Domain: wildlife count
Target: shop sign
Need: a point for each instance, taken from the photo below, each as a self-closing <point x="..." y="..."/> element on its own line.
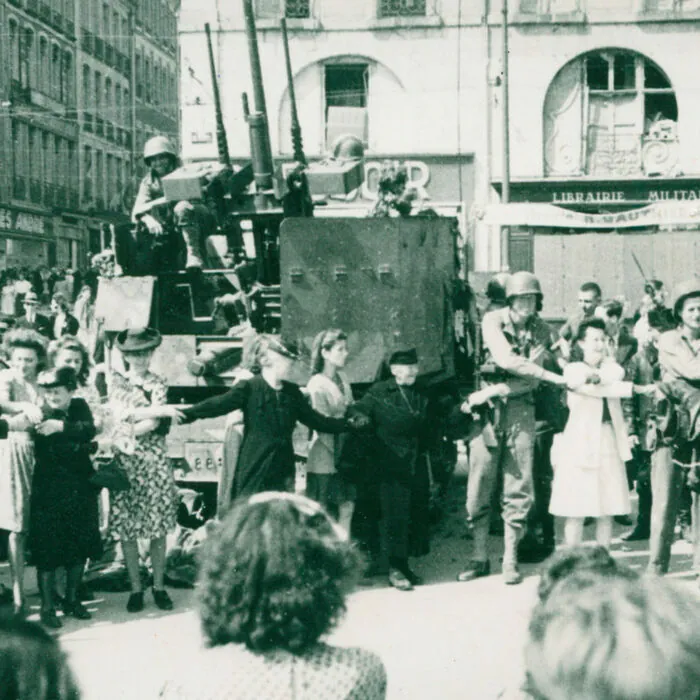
<point x="551" y="216"/>
<point x="597" y="193"/>
<point x="24" y="222"/>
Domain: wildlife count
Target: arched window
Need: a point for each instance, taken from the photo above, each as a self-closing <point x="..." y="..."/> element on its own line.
<point x="610" y="113"/>
<point x="27" y="66"/>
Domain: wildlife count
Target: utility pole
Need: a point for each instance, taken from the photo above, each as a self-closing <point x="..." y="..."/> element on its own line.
<point x="505" y="189"/>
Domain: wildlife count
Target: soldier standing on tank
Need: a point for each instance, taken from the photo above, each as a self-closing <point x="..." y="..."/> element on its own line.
<point x="152" y="209"/>
<point x="516" y="342"/>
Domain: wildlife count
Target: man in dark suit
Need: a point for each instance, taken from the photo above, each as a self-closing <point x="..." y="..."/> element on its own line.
<point x="32" y="318"/>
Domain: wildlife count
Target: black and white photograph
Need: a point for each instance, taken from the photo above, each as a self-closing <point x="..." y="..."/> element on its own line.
<point x="350" y="350"/>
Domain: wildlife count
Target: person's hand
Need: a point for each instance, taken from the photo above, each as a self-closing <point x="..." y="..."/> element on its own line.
<point x="49" y="427"/>
<point x="633" y="441"/>
<point x="645" y="389"/>
<point x="152" y="224"/>
<point x="32" y="411"/>
<point x="358" y="421"/>
<point x="19" y="422"/>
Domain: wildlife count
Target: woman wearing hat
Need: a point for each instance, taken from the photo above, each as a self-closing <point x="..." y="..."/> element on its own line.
<point x="271" y="408"/>
<point x="63" y="524"/>
<point x="20" y="395"/>
<point x="148" y="509"/>
<point x="404" y="425"/>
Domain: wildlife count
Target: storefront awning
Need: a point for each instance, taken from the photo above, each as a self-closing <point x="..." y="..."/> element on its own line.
<point x="552" y="216"/>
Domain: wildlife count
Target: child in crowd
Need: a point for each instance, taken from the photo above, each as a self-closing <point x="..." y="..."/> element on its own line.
<point x="589" y="456"/>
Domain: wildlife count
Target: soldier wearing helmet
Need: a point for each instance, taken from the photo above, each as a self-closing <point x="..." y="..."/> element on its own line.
<point x="679" y="357"/>
<point x="155" y="213"/>
<point x="516" y="344"/>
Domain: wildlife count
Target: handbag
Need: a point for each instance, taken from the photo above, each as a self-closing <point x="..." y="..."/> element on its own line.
<point x="109" y="475"/>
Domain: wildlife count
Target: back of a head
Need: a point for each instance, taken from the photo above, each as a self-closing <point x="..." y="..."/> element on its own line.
<point x="274" y="574"/>
<point x="32" y="665"/>
<point x="616" y="640"/>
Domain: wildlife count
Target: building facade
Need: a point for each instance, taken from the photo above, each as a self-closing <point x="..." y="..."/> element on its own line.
<point x="72" y="102"/>
<point x="601" y="92"/>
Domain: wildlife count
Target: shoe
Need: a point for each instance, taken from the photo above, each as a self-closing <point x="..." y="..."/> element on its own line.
<point x="512" y="576"/>
<point x="48" y="619"/>
<point x="162" y="599"/>
<point x="398" y="580"/>
<point x="135" y="602"/>
<point x="474" y="569"/>
<point x="76" y="610"/>
<point x="413" y="577"/>
<point x="639" y="534"/>
<point x="623" y="520"/>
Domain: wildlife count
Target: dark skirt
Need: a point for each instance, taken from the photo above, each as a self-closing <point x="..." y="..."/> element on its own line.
<point x="64" y="523"/>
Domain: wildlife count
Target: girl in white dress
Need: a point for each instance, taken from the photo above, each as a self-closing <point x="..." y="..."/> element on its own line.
<point x="330" y="394"/>
<point x="589" y="456"/>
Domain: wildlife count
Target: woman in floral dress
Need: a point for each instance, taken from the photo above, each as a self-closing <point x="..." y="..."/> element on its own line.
<point x="19" y="395"/>
<point x="148" y="509"/>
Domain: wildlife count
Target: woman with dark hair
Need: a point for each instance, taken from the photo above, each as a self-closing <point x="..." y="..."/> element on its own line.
<point x="63" y="523"/>
<point x="20" y="395"/>
<point x="32" y="665"/>
<point x="62" y="322"/>
<point x="331" y="395"/>
<point x="148" y="509"/>
<point x="273" y="581"/>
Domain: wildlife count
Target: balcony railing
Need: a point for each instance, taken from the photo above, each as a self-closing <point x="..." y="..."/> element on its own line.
<point x="19" y="92"/>
<point x="297" y="9"/>
<point x="35" y="191"/>
<point x="88" y="122"/>
<point x="19" y="187"/>
<point x="109" y="54"/>
<point x="402" y="8"/>
<point x="69" y="28"/>
<point x="99" y="126"/>
<point x="99" y="48"/>
<point x="109" y="131"/>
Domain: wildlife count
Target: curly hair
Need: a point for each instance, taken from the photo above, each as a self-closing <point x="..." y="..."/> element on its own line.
<point x="325" y="340"/>
<point x="274" y="575"/>
<point x="28" y="339"/>
<point x="72" y="344"/>
<point x="32" y="665"/>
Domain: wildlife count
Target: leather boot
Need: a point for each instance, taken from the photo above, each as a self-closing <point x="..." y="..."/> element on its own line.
<point x="511" y="573"/>
<point x="191" y="236"/>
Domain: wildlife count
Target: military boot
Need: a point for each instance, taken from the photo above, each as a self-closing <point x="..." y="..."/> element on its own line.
<point x="191" y="236"/>
<point x="511" y="572"/>
<point x="478" y="565"/>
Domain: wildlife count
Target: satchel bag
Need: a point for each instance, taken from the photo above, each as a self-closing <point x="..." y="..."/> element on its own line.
<point x="109" y="475"/>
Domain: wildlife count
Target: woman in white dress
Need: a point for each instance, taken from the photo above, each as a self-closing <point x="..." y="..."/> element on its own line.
<point x="589" y="456"/>
<point x="330" y="394"/>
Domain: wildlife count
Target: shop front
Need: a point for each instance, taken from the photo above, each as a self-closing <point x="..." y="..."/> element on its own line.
<point x="26" y="239"/>
<point x="568" y="232"/>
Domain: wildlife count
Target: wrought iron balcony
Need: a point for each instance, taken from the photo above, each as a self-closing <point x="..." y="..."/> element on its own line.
<point x="402" y="8"/>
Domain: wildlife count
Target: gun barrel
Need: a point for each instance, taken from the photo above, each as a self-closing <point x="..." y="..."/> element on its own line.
<point x="297" y="142"/>
<point x="261" y="150"/>
<point x="221" y="141"/>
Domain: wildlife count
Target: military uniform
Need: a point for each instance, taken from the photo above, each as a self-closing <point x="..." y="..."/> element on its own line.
<point x="513" y="355"/>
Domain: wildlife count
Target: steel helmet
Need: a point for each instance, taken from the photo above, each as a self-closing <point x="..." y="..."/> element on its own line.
<point x="158" y="145"/>
<point x="522" y="283"/>
<point x="348" y="147"/>
<point x="685" y="289"/>
<point x="496" y="286"/>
